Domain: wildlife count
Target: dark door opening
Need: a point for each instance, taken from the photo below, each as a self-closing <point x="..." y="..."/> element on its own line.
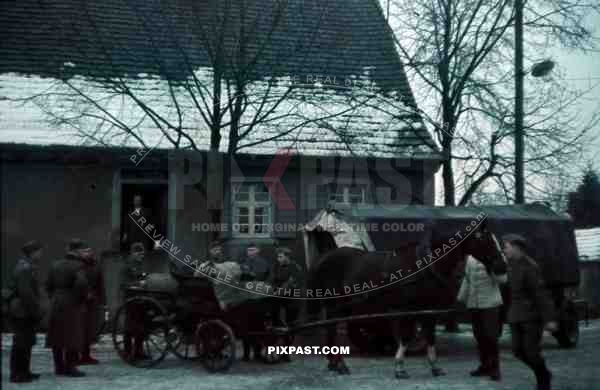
<point x="154" y="200"/>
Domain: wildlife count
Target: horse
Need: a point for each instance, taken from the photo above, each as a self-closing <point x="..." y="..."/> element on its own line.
<point x="423" y="280"/>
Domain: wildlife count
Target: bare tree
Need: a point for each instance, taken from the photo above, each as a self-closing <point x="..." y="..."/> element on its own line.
<point x="459" y="53"/>
<point x="226" y="106"/>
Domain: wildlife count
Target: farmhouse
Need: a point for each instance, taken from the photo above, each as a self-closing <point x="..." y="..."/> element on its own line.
<point x="100" y="101"/>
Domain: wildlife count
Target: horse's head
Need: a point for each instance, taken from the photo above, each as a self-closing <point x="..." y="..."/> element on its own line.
<point x="483" y="245"/>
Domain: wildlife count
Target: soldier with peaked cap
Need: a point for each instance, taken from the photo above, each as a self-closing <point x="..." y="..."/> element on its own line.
<point x="132" y="271"/>
<point x="95" y="299"/>
<point x="67" y="288"/>
<point x="531" y="308"/>
<point x="25" y="312"/>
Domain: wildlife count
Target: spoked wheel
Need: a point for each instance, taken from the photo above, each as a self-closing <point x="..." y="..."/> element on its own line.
<point x="140" y="332"/>
<point x="181" y="342"/>
<point x="274" y="340"/>
<point x="215" y="345"/>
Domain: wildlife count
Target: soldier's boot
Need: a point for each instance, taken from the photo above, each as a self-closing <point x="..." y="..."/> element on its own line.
<point x="18" y="368"/>
<point x="71" y="358"/>
<point x="399" y="370"/>
<point x="13" y="365"/>
<point x="86" y="357"/>
<point x="59" y="361"/>
<point x="27" y="364"/>
<point x="435" y="370"/>
<point x="337" y="364"/>
<point x="246" y="345"/>
<point x="138" y="346"/>
<point x="494" y="370"/>
<point x="544" y="378"/>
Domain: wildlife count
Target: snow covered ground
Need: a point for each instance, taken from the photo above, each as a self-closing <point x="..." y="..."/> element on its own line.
<point x="573" y="370"/>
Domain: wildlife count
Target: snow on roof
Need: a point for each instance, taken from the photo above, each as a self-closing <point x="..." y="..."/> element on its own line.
<point x="135" y="40"/>
<point x="588" y="244"/>
<point x="316" y="121"/>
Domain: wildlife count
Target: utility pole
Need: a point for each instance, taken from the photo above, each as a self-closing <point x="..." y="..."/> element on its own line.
<point x="519" y="142"/>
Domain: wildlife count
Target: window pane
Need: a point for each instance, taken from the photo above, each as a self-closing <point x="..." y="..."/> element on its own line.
<point x="242" y="211"/>
<point x="244" y="229"/>
<point x="261" y="192"/>
<point x="261" y="196"/>
<point x="243" y="219"/>
<point x="258" y="219"/>
<point x="241" y="197"/>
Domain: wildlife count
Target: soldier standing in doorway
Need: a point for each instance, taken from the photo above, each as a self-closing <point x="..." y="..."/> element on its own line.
<point x="25" y="313"/>
<point x="133" y="232"/>
<point x="67" y="288"/>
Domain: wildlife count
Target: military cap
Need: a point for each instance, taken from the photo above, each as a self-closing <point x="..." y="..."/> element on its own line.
<point x="284" y="250"/>
<point x="77" y="244"/>
<point x="215" y="243"/>
<point x="516" y="239"/>
<point x="31" y="246"/>
<point x="137" y="247"/>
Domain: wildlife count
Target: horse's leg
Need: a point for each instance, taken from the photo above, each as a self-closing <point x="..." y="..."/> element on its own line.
<point x="336" y="361"/>
<point x="399" y="370"/>
<point x="429" y="330"/>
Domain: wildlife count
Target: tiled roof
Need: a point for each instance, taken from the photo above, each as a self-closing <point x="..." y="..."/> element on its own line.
<point x="148" y="41"/>
<point x="588" y="244"/>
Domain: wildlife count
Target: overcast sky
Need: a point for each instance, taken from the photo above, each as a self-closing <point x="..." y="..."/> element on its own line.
<point x="584" y="71"/>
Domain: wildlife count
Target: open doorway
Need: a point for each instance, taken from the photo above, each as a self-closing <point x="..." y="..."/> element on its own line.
<point x="154" y="199"/>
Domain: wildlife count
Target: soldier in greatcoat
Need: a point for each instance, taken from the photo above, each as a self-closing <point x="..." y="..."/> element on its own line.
<point x="283" y="280"/>
<point x="25" y="312"/>
<point x="131" y="273"/>
<point x="531" y="308"/>
<point x="67" y="288"/>
<point x="95" y="301"/>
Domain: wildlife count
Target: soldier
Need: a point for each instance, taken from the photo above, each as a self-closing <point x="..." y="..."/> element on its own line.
<point x="531" y="308"/>
<point x="67" y="288"/>
<point x="283" y="278"/>
<point x="95" y="300"/>
<point x="25" y="313"/>
<point x="215" y="252"/>
<point x="254" y="267"/>
<point x="133" y="232"/>
<point x="131" y="272"/>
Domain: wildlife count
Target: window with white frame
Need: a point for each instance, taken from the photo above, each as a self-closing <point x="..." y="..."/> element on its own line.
<point x="352" y="194"/>
<point x="252" y="209"/>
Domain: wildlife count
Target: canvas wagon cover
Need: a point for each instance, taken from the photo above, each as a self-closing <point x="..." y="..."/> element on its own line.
<point x="227" y="295"/>
<point x="551" y="236"/>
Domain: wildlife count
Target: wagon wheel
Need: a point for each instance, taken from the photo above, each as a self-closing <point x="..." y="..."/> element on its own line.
<point x="215" y="345"/>
<point x="147" y="319"/>
<point x="181" y="342"/>
<point x="274" y="340"/>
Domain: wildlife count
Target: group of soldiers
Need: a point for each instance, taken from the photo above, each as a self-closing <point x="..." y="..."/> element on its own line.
<point x="280" y="272"/>
<point x="75" y="287"/>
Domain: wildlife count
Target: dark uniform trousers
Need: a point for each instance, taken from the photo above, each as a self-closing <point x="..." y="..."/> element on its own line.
<point x="24" y="338"/>
<point x="24" y="316"/>
<point x="531" y="307"/>
<point x="526" y="345"/>
<point x="486" y="328"/>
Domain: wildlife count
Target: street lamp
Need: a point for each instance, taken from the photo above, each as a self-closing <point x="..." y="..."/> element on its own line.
<point x="538" y="70"/>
